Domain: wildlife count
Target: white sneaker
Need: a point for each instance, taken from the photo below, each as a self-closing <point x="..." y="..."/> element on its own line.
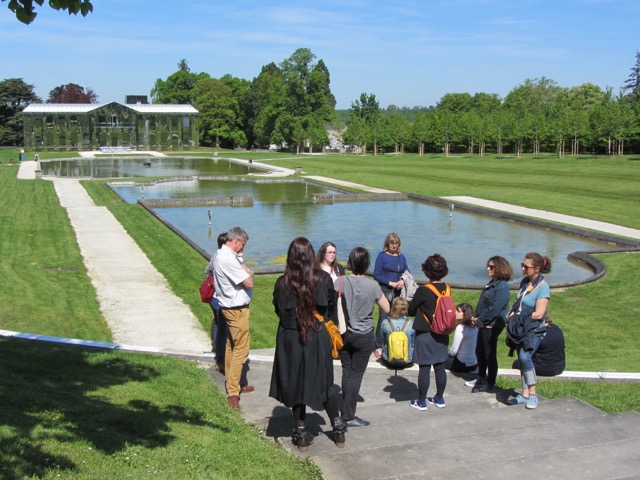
<point x="471" y="383"/>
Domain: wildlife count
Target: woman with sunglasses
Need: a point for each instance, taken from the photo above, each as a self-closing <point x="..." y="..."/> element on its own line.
<point x="491" y="315"/>
<point x="533" y="296"/>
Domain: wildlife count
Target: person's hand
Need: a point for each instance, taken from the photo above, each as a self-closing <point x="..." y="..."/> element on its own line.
<point x="378" y="353"/>
<point x="400" y="284"/>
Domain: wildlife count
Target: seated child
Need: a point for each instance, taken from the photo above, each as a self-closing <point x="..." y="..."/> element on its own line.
<point x="399" y="319"/>
<point x="462" y="354"/>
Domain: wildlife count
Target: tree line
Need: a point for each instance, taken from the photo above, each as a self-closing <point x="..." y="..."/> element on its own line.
<point x="291" y="104"/>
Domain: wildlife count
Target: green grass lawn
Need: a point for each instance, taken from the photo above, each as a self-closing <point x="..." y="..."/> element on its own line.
<point x="102" y="414"/>
<point x="77" y="414"/>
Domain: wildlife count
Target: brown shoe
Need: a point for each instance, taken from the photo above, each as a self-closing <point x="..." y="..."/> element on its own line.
<point x="220" y="367"/>
<point x="234" y="401"/>
<point x="247" y="388"/>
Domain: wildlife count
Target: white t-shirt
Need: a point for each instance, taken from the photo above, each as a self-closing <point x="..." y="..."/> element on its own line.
<point x="464" y="345"/>
<point x="228" y="276"/>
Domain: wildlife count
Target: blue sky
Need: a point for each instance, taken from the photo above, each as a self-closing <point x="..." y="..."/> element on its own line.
<point x="405" y="52"/>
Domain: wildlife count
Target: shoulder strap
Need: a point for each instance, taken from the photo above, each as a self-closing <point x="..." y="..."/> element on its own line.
<point x="406" y="324"/>
<point x="340" y="286"/>
<point x="390" y="325"/>
<point x="438" y="293"/>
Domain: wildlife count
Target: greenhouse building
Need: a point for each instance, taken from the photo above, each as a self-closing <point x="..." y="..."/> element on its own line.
<point x="136" y="126"/>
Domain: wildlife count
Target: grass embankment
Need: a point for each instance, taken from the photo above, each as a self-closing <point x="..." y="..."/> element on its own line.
<point x="76" y="414"/>
<point x="84" y="414"/>
<point x="63" y="406"/>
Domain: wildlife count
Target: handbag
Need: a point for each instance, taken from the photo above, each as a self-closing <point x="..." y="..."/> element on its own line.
<point x="343" y="318"/>
<point x="207" y="289"/>
<point x="334" y="335"/>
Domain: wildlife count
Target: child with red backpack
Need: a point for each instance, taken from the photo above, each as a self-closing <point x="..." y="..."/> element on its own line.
<point x="429" y="305"/>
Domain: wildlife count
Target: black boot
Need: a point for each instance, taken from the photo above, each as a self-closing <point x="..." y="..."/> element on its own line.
<point x="339" y="429"/>
<point x="301" y="437"/>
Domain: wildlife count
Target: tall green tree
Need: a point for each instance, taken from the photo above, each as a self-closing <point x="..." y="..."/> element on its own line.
<point x="614" y="121"/>
<point x="364" y="122"/>
<point x="178" y="88"/>
<point x="632" y="83"/>
<point x="529" y="106"/>
<point x="582" y="100"/>
<point x="398" y="129"/>
<point x="15" y="95"/>
<point x="308" y="102"/>
<point x="26" y="13"/>
<point x="484" y="105"/>
<point x="265" y="102"/>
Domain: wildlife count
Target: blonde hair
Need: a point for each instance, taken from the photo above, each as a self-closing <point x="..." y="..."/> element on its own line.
<point x="392" y="237"/>
<point x="399" y="308"/>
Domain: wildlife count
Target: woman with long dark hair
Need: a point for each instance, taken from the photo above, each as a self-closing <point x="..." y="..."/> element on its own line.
<point x="302" y="374"/>
<point x="326" y="258"/>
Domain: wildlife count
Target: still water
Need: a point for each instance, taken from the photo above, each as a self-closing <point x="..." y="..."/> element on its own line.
<point x="282" y="212"/>
<point x="281" y="192"/>
<point x="118" y="167"/>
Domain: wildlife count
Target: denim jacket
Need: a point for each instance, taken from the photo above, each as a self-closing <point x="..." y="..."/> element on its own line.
<point x="493" y="305"/>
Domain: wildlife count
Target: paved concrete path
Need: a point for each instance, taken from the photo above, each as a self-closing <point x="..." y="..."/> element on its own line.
<point x="27" y="170"/>
<point x="477" y="435"/>
<point x="550" y="216"/>
<point x="135" y="299"/>
<point x="96" y="153"/>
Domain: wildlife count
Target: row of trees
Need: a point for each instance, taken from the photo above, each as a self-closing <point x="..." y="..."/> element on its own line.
<point x="291" y="104"/>
<point x="537" y="116"/>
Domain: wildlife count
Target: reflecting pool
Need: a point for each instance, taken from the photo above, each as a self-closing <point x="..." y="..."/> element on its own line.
<point x="120" y="167"/>
<point x="283" y="211"/>
<point x="279" y="192"/>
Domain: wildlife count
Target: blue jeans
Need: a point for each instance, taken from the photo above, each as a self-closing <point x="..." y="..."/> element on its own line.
<point x="527" y="369"/>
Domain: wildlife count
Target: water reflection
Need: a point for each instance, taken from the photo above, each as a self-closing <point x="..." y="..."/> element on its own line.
<point x="466" y="240"/>
<point x="119" y="167"/>
<point x="280" y="192"/>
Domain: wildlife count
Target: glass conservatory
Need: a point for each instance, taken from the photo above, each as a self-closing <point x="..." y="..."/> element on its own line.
<point x="51" y="126"/>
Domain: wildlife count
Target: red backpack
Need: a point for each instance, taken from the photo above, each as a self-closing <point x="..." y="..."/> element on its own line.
<point x="444" y="316"/>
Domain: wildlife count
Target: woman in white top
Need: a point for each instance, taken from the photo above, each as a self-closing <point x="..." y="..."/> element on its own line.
<point x="326" y="258"/>
<point x="462" y="354"/>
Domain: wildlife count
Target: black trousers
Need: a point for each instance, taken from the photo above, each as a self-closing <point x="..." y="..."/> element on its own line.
<point x="486" y="351"/>
<point x="354" y="357"/>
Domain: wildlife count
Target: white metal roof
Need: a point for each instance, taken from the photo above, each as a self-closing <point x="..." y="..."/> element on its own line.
<point x="87" y="107"/>
<point x="60" y="107"/>
<point x="161" y="108"/>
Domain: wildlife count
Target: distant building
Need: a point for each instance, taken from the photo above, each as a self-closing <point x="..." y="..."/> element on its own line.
<point x="141" y="126"/>
<point x="136" y="99"/>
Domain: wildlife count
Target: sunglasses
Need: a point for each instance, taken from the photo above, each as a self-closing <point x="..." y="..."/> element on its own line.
<point x="491" y="267"/>
<point x="526" y="267"/>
